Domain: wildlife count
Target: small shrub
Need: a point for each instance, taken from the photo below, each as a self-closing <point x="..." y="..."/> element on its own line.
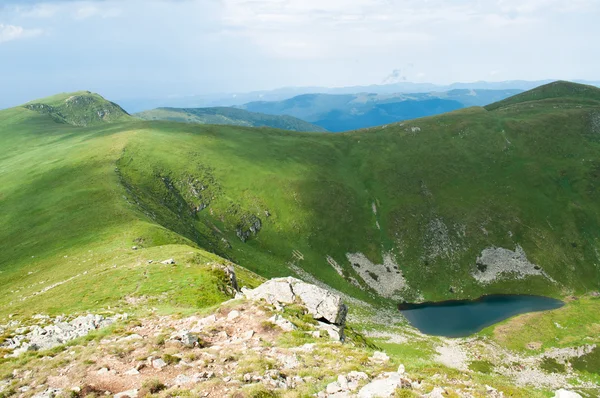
<point x="170" y="359"/>
<point x="151" y="387"/>
<point x="267" y="326"/>
<point x="160" y="340"/>
<point x="550" y="365"/>
<point x="8" y="393"/>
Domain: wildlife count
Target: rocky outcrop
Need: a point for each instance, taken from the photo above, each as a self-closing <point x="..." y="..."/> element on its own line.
<point x="57" y="333"/>
<point x="320" y="303"/>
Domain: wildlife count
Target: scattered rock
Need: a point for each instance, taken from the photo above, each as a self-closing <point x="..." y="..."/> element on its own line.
<point x="127" y="394"/>
<point x="158" y="363"/>
<point x="566" y="394"/>
<point x="437" y="392"/>
<point x="379" y="356"/>
<point x="168" y="262"/>
<point x="49" y="393"/>
<point x="282" y="323"/>
<point x="186" y="338"/>
<point x="233" y="315"/>
<point x="381" y="388"/>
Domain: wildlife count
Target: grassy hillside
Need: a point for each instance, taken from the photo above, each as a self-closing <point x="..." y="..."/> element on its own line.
<point x="79" y="109"/>
<point x="355" y="111"/>
<point x="229" y="116"/>
<point x="560" y="90"/>
<point x="425" y="209"/>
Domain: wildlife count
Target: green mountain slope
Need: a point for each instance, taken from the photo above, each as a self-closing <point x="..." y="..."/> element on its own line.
<point x="228" y="116"/>
<point x="79" y="109"/>
<point x="456" y="205"/>
<point x="559" y="90"/>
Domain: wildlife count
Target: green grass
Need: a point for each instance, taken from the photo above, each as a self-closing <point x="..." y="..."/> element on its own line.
<point x="588" y="363"/>
<point x="575" y="324"/>
<point x="550" y="365"/>
<point x="76" y="199"/>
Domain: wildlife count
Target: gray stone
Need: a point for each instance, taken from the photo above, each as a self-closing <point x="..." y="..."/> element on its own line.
<point x="158" y="363"/>
<point x="233" y="315"/>
<point x="127" y="394"/>
<point x="379" y="356"/>
<point x="381" y="388"/>
<point x="332" y="388"/>
<point x="168" y="262"/>
<point x="49" y="393"/>
<point x="437" y="392"/>
<point x="282" y="323"/>
<point x="320" y="303"/>
<point x="335" y="332"/>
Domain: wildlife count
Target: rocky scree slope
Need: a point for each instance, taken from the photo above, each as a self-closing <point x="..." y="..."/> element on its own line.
<point x="275" y="340"/>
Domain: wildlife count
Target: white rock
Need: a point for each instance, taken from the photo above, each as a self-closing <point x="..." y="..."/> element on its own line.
<point x="248" y="335"/>
<point x="356" y="376"/>
<point x="158" y="363"/>
<point x="343" y="382"/>
<point x="332" y="388"/>
<point x="182" y="380"/>
<point x="401" y="370"/>
<point x="566" y="394"/>
<point x="282" y="323"/>
<point x="233" y="315"/>
<point x="49" y="393"/>
<point x="127" y="394"/>
<point x="379" y="356"/>
<point x="202" y="323"/>
<point x="132" y="372"/>
<point x="102" y="371"/>
<point x="381" y="388"/>
<point x="168" y="262"/>
<point x="437" y="392"/>
<point x="335" y="332"/>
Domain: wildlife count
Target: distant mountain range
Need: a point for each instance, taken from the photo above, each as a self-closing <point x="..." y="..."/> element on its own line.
<point x="345" y="112"/>
<point x="228" y="116"/>
<point x="134" y="105"/>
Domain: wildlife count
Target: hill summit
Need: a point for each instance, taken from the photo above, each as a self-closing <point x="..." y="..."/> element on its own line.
<point x="82" y="108"/>
<point x="561" y="89"/>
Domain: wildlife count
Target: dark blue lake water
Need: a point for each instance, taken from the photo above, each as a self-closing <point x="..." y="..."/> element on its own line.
<point x="464" y="318"/>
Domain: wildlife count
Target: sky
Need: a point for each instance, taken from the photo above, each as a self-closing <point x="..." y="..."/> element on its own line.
<point x="162" y="48"/>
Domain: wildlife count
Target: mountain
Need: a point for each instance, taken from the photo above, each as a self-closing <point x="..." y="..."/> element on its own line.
<point x="356" y="111"/>
<point x="139" y="225"/>
<point x="230" y="116"/>
<point x="79" y="109"/>
<point x="443" y="195"/>
<point x="134" y="105"/>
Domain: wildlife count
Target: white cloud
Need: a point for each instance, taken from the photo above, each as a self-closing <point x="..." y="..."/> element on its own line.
<point x="89" y="10"/>
<point x="12" y="32"/>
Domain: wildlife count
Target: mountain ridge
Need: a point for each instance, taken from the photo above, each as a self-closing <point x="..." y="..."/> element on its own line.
<point x="229" y="116"/>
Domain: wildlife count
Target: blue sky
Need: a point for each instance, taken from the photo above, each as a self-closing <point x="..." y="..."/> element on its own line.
<point x="155" y="48"/>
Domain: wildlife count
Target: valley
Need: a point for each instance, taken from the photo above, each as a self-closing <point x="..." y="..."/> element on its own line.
<point x="103" y="213"/>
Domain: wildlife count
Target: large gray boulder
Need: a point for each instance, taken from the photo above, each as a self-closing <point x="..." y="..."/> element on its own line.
<point x="320" y="303"/>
